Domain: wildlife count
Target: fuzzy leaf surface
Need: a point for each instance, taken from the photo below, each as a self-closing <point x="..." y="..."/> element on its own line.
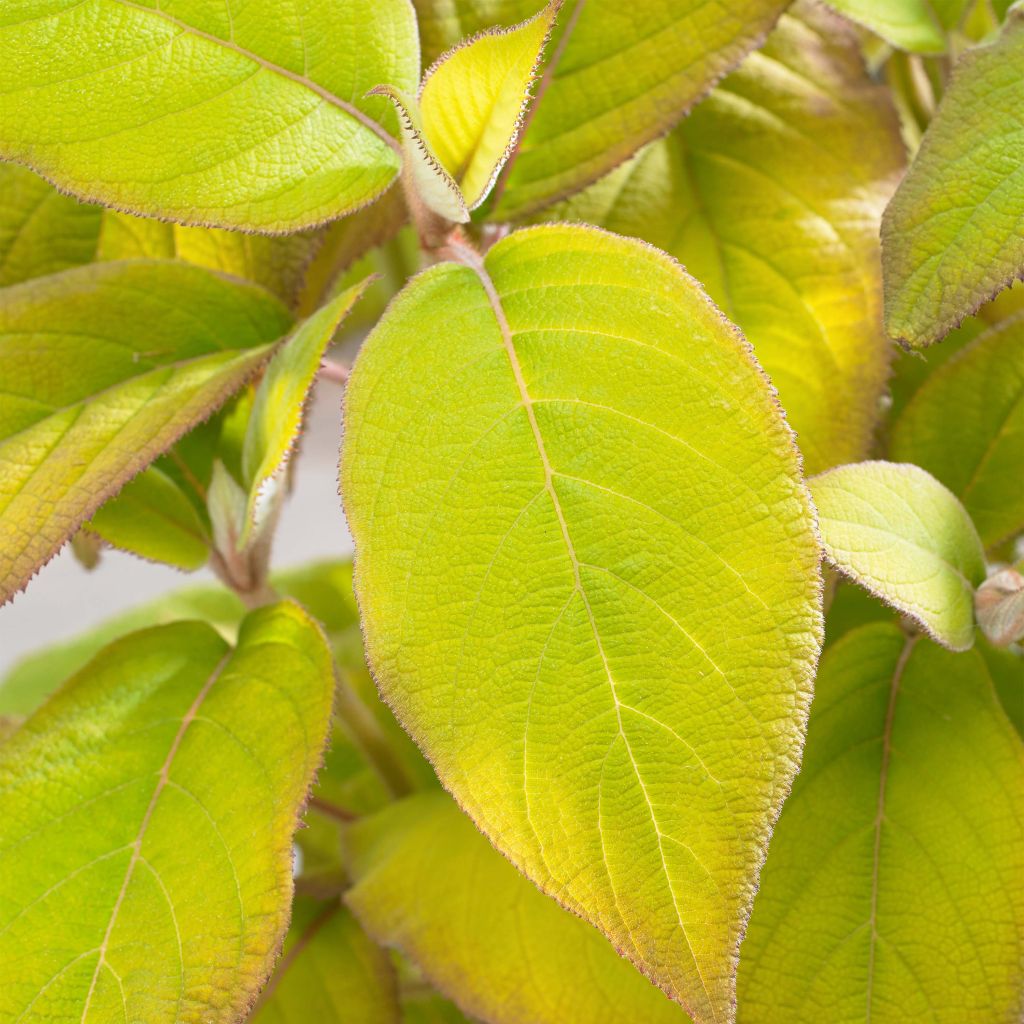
<point x="168" y="741"/>
<point x="588" y="578"/>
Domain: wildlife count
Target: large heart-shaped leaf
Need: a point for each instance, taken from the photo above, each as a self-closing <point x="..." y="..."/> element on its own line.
<point x="502" y="950"/>
<point x="194" y="111"/>
<point x="892" y="888"/>
<point x="954" y="232"/>
<point x="104" y="367"/>
<point x="589" y="581"/>
<point x="768" y="194"/>
<point x="168" y="751"/>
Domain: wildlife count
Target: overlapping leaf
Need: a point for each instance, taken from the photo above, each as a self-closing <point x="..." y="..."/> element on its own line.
<point x="588" y="577"/>
<point x="892" y="889"/>
<point x="168" y="741"/>
<point x="921" y="26"/>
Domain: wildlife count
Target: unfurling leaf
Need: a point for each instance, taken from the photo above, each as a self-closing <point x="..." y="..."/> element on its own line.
<point x="588" y="576"/>
<point x="196" y="113"/>
<point x="953" y="234"/>
<point x="1000" y="607"/>
<point x="503" y="951"/>
<point x="965" y="425"/>
<point x="920" y="26"/>
<point x="892" y="888"/>
<point x="168" y="741"/>
<point x="894" y="529"/>
<point x="107" y="366"/>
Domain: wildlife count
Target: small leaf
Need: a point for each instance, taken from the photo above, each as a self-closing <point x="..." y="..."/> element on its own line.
<point x="427" y="883"/>
<point x="474" y="98"/>
<point x="920" y="26"/>
<point x="1000" y="607"/>
<point x="965" y="425"/>
<point x="574" y="600"/>
<point x="206" y="115"/>
<point x="952" y="235"/>
<point x="892" y="889"/>
<point x="106" y="366"/>
<point x="167" y="751"/>
<point x="899" y="533"/>
<point x="329" y="972"/>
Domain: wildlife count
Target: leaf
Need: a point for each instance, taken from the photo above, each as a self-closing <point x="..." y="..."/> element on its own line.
<point x="151" y="517"/>
<point x="920" y="26"/>
<point x="895" y="530"/>
<point x="999" y="605"/>
<point x="891" y="890"/>
<point x="474" y="98"/>
<point x="330" y="971"/>
<point x="276" y="419"/>
<point x="41" y="231"/>
<point x="1007" y="671"/>
<point x="979" y="453"/>
<point x="93" y="399"/>
<point x="574" y="600"/>
<point x="167" y="743"/>
<point x="953" y="234"/>
<point x="768" y="194"/>
<point x="427" y="883"/>
<point x="249" y="118"/>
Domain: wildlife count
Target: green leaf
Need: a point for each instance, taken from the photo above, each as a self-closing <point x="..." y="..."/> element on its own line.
<point x="330" y="971"/>
<point x="952" y="235"/>
<point x="1006" y="667"/>
<point x="195" y="112"/>
<point x="965" y="425"/>
<point x="571" y="518"/>
<point x="920" y="26"/>
<point x="894" y="529"/>
<point x="891" y="892"/>
<point x="151" y="517"/>
<point x="105" y="367"/>
<point x="769" y="196"/>
<point x="167" y="742"/>
<point x="427" y="883"/>
<point x="474" y="98"/>
<point x="41" y="231"/>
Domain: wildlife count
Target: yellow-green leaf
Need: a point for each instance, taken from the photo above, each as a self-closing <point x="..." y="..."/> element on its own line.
<point x="892" y="888"/>
<point x="427" y="883"/>
<point x="953" y="234"/>
<point x="197" y="112"/>
<point x="473" y="100"/>
<point x="104" y="367"/>
<point x="167" y="752"/>
<point x="768" y="194"/>
<point x="965" y="425"/>
<point x="898" y="532"/>
<point x="920" y="26"/>
<point x="589" y="581"/>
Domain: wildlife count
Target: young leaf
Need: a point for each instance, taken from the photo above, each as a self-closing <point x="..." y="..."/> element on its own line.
<point x="167" y="742"/>
<point x="106" y="366"/>
<point x="965" y="425"/>
<point x="427" y="883"/>
<point x="920" y="26"/>
<point x="201" y="114"/>
<point x="768" y="194"/>
<point x="576" y="601"/>
<point x="474" y="98"/>
<point x="952" y="235"/>
<point x="329" y="972"/>
<point x="899" y="533"/>
<point x="41" y="231"/>
<point x="999" y="604"/>
<point x="892" y="889"/>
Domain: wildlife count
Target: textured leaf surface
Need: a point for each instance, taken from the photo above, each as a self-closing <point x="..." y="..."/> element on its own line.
<point x="965" y="425"/>
<point x="769" y="196"/>
<point x="329" y="972"/>
<point x="898" y="532"/>
<point x="41" y="231"/>
<point x="427" y="883"/>
<point x="892" y="887"/>
<point x="167" y="751"/>
<point x="106" y="366"/>
<point x="954" y="232"/>
<point x="198" y="112"/>
<point x="589" y="582"/>
<point x="920" y="26"/>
